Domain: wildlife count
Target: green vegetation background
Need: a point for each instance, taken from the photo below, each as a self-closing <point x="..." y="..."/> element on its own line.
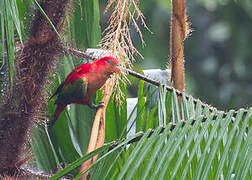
<point x="218" y="54"/>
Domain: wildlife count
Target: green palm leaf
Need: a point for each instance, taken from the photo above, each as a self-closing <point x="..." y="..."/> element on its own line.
<point x="207" y="145"/>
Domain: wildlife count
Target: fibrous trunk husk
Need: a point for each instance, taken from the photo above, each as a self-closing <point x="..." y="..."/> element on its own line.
<point x="32" y="67"/>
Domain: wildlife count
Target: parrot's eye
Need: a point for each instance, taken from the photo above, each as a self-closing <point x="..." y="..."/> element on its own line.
<point x="109" y="61"/>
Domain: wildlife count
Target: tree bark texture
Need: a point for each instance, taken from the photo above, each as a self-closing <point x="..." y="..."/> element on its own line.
<point x="32" y="67"/>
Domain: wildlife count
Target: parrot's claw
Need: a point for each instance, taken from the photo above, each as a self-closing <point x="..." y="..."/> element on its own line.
<point x="49" y="124"/>
<point x="95" y="106"/>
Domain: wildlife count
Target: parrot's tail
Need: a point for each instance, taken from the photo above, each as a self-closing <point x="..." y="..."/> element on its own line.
<point x="59" y="109"/>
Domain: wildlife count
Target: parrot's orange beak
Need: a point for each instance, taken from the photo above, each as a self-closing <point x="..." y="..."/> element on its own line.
<point x="117" y="70"/>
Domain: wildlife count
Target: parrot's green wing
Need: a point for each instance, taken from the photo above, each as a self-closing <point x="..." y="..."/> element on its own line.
<point x="58" y="90"/>
<point x="71" y="92"/>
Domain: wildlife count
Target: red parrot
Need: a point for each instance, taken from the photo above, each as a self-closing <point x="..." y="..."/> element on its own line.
<point x="82" y="83"/>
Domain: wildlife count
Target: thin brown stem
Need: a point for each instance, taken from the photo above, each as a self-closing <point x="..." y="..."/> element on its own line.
<point x="76" y="53"/>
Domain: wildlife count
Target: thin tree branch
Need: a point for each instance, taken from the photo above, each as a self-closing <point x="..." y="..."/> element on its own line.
<point x="171" y="89"/>
<point x="76" y="53"/>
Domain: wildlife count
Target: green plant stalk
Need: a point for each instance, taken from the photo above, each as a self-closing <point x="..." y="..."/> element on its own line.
<point x="47" y="18"/>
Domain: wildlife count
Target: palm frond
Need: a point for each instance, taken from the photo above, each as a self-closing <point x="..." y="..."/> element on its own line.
<point x="203" y="143"/>
<point x="10" y="26"/>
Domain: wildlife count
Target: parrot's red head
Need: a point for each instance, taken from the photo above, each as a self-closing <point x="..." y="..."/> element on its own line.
<point x="109" y="63"/>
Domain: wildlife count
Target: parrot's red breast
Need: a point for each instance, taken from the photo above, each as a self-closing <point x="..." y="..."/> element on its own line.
<point x="83" y="82"/>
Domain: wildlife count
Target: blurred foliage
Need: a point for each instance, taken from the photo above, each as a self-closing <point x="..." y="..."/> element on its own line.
<point x="217" y="54"/>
